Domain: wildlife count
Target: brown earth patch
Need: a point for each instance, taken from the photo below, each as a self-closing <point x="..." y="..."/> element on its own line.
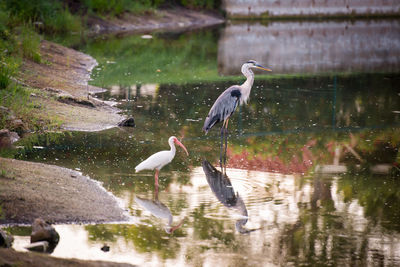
<point x="10" y="257"/>
<point x="63" y="77"/>
<point x="30" y="190"/>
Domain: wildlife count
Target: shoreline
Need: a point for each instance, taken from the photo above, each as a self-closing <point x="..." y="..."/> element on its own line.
<point x="61" y="91"/>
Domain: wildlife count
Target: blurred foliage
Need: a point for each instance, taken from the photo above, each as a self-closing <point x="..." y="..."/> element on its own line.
<point x="54" y="16"/>
<point x="18" y="44"/>
<point x="378" y="194"/>
<point x="207" y="4"/>
<point x="131" y="60"/>
<point x="47" y="15"/>
<point x="117" y="7"/>
<point x="145" y="238"/>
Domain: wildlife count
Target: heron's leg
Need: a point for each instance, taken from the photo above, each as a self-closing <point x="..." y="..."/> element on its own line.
<point x="222" y="142"/>
<point x="156" y="179"/>
<point x="226" y="141"/>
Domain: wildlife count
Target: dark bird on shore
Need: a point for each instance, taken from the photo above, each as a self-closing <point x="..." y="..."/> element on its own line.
<point x="229" y="100"/>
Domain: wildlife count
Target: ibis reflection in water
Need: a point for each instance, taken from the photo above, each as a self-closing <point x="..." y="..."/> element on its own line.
<point x="222" y="188"/>
<point x="159" y="210"/>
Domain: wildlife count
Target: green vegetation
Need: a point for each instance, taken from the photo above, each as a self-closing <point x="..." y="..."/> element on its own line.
<point x="15" y="45"/>
<point x="117" y="7"/>
<point x="379" y="195"/>
<point x="3" y="173"/>
<point x="46" y="15"/>
<point x="131" y="60"/>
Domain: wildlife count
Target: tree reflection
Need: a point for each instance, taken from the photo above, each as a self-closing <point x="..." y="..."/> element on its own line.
<point x="144" y="238"/>
<point x="378" y="194"/>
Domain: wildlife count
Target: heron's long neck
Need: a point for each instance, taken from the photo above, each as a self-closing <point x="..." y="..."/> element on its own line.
<point x="246" y="86"/>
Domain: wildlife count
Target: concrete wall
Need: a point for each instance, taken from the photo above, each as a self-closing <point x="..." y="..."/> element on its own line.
<point x="312" y="47"/>
<point x="282" y="8"/>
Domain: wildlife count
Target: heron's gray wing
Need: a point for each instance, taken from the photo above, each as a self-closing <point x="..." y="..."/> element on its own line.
<point x="220" y="185"/>
<point x="223" y="107"/>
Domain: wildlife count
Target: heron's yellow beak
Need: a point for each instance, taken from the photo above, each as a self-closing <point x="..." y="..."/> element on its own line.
<point x="262" y="68"/>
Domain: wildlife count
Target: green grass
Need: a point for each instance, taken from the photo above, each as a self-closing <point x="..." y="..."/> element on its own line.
<point x="117" y="7"/>
<point x="64" y="22"/>
<point x="29" y="44"/>
<point x="17" y="44"/>
<point x="47" y="15"/>
<point x="185" y="59"/>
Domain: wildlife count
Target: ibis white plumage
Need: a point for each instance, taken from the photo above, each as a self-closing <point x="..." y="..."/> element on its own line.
<point x="160" y="159"/>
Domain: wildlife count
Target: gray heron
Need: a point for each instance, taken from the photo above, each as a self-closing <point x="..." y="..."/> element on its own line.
<point x="229" y="100"/>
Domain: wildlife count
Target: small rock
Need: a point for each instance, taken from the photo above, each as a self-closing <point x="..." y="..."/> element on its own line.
<point x="7" y="138"/>
<point x="41" y="246"/>
<point x="129" y="122"/>
<point x="18" y="126"/>
<point x="105" y="248"/>
<point x="4" y="110"/>
<point x="52" y="90"/>
<point x="43" y="231"/>
<point x="6" y="240"/>
<point x="7" y="113"/>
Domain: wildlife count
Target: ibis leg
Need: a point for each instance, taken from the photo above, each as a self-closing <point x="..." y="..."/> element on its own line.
<point x="156" y="192"/>
<point x="156" y="178"/>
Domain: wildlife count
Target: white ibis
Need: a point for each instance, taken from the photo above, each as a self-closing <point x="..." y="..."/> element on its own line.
<point x="160" y="159"/>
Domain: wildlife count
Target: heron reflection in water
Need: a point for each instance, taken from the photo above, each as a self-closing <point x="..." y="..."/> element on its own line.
<point x="159" y="210"/>
<point x="223" y="190"/>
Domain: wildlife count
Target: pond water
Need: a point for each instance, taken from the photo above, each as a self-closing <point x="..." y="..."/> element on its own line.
<point x="312" y="176"/>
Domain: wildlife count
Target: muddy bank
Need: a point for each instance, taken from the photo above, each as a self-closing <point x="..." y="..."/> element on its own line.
<point x="177" y="19"/>
<point x="65" y="94"/>
<point x="30" y="190"/>
<point x="10" y="257"/>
